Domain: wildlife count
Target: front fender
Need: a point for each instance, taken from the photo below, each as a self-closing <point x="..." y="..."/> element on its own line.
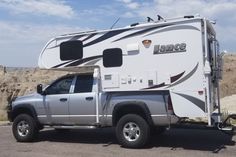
<point x="23" y="108"/>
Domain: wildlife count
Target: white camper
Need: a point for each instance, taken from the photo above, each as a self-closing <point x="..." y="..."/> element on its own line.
<point x="179" y="55"/>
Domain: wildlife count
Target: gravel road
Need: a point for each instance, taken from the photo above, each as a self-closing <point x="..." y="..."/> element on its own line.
<point x="102" y="143"/>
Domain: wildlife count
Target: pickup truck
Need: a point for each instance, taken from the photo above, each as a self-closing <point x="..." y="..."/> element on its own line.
<point x="75" y="101"/>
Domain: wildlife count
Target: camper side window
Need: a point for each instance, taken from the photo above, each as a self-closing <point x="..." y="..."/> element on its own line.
<point x="84" y="84"/>
<point x="71" y="50"/>
<point x="112" y="57"/>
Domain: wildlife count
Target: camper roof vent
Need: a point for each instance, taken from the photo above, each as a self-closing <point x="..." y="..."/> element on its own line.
<point x="189" y="16"/>
<point x="134" y="24"/>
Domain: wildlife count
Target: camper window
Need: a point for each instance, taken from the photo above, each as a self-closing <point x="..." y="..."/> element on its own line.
<point x="71" y="50"/>
<point x="112" y="57"/>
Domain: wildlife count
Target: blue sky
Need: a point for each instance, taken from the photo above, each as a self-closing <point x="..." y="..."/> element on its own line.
<point x="26" y="25"/>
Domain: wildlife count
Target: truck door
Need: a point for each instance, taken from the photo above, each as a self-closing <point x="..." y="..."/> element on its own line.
<point x="82" y="107"/>
<point x="56" y="100"/>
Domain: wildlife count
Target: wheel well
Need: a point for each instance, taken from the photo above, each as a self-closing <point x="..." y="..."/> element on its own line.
<point x="22" y="110"/>
<point x="121" y="110"/>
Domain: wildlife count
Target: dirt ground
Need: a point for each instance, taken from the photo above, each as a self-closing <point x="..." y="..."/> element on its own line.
<point x="102" y="143"/>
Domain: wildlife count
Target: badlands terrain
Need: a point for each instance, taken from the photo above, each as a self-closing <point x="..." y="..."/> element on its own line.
<point x="20" y="81"/>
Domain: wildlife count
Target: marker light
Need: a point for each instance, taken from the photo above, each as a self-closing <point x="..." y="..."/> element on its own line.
<point x="146" y="43"/>
<point x="200" y="92"/>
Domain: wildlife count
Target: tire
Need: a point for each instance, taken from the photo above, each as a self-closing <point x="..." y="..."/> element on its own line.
<point x="132" y="131"/>
<point x="24" y="128"/>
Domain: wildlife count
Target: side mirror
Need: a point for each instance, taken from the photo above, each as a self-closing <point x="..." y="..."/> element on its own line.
<point x="40" y="89"/>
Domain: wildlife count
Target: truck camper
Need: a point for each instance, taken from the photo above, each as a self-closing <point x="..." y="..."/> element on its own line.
<point x="137" y="78"/>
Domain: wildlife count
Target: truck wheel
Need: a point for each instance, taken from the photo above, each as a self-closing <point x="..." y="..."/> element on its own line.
<point x="24" y="128"/>
<point x="132" y="131"/>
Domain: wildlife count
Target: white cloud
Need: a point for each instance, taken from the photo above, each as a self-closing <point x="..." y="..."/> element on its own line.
<point x="133" y="5"/>
<point x="223" y="11"/>
<point x="32" y="33"/>
<point x="20" y="43"/>
<point x="26" y="38"/>
<point x="57" y="8"/>
<point x="125" y="1"/>
<point x="130" y="4"/>
<point x="128" y="15"/>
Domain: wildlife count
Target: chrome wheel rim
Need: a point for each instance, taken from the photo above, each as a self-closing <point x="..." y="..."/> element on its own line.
<point x="23" y="128"/>
<point x="131" y="131"/>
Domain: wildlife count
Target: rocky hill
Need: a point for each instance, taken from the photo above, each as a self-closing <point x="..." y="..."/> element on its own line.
<point x="20" y="81"/>
<point x="228" y="84"/>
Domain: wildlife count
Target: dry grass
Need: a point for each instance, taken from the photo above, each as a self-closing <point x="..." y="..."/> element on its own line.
<point x="228" y="106"/>
<point x="3" y="115"/>
<point x="228" y="84"/>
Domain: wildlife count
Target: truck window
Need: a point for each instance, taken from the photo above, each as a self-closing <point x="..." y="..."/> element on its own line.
<point x="84" y="84"/>
<point x="62" y="86"/>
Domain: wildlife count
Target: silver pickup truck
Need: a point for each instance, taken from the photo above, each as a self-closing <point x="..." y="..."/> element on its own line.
<point x="75" y="101"/>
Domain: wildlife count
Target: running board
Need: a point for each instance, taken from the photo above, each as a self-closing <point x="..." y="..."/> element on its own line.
<point x="74" y="127"/>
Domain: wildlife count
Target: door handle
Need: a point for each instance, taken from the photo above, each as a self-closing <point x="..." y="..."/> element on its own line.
<point x="89" y="98"/>
<point x="63" y="99"/>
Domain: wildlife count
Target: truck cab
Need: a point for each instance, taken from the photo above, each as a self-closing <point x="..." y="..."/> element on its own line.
<point x="70" y="100"/>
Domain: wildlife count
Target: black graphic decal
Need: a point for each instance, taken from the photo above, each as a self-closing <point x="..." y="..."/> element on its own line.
<point x="157" y="86"/>
<point x="106" y="36"/>
<point x="88" y="37"/>
<point x="176" y="77"/>
<point x="140" y="32"/>
<point x="62" y="64"/>
<point x="196" y="101"/>
<point x="81" y="61"/>
<point x="185" y="77"/>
